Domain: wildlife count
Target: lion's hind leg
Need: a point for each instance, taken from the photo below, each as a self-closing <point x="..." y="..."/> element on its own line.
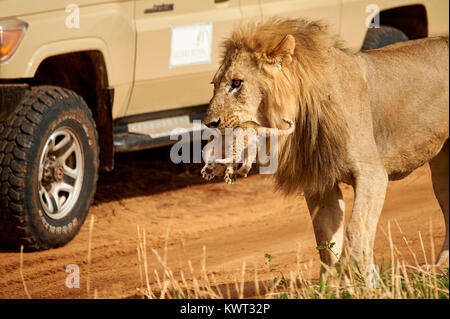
<point x="439" y="166"/>
<point x="247" y="164"/>
<point x="244" y="169"/>
<point x="249" y="158"/>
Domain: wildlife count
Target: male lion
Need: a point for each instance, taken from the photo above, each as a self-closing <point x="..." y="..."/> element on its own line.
<point x="361" y="119"/>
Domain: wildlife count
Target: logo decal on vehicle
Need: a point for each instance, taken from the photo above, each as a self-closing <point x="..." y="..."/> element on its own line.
<point x="191" y="44"/>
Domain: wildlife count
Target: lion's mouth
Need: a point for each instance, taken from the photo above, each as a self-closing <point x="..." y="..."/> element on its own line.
<point x="212" y="123"/>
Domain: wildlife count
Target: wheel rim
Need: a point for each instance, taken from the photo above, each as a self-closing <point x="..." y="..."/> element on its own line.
<point x="61" y="170"/>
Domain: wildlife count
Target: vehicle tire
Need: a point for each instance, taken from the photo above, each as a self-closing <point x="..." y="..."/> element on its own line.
<point x="48" y="169"/>
<point x="382" y="36"/>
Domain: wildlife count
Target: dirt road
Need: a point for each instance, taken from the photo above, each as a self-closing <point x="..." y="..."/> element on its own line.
<point x="236" y="223"/>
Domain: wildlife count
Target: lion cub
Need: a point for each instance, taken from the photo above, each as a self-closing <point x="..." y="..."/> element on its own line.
<point x="245" y="139"/>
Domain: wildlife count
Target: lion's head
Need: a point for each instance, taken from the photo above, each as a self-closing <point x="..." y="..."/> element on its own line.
<point x="241" y="83"/>
<point x="274" y="70"/>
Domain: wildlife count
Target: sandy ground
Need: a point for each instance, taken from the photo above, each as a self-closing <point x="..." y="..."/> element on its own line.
<point x="235" y="223"/>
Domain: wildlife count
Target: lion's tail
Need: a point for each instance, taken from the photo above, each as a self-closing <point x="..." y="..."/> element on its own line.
<point x="281" y="132"/>
<point x="289" y="130"/>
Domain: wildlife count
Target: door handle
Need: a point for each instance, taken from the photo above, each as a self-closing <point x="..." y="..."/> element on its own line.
<point x="220" y="1"/>
<point x="160" y="8"/>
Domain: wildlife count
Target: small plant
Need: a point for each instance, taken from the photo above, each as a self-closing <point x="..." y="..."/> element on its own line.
<point x="180" y="294"/>
<point x="269" y="258"/>
<point x="281" y="281"/>
<point x="442" y="282"/>
<point x="325" y="245"/>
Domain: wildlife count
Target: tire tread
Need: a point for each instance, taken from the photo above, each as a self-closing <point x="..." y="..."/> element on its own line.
<point x="374" y="37"/>
<point x="16" y="138"/>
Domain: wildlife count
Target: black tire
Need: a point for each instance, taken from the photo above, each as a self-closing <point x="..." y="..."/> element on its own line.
<point x="382" y="36"/>
<point x="43" y="112"/>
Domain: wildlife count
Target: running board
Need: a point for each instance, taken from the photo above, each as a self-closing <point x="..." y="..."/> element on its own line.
<point x="153" y="133"/>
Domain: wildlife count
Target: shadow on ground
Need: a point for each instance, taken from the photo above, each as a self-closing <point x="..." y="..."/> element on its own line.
<point x="145" y="173"/>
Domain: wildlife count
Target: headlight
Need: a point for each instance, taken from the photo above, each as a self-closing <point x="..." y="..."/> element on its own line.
<point x="11" y="33"/>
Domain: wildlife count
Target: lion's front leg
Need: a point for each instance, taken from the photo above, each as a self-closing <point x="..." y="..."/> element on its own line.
<point x="207" y="171"/>
<point x="370" y="192"/>
<point x="327" y="214"/>
<point x="211" y="170"/>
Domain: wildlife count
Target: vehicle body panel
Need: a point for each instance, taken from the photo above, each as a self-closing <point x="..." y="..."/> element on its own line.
<point x="107" y="27"/>
<point x="353" y="26"/>
<point x="136" y="46"/>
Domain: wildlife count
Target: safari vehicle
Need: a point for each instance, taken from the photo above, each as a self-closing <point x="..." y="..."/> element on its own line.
<point x="83" y="79"/>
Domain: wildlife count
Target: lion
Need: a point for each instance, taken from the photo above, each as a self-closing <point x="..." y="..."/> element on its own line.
<point x="361" y="118"/>
<point x="241" y="149"/>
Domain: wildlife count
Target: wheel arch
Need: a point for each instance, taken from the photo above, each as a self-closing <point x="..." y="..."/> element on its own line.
<point x="85" y="73"/>
<point x="411" y="19"/>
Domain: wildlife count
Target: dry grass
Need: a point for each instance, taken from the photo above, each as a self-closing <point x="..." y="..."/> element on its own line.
<point x="395" y="279"/>
<point x="392" y="280"/>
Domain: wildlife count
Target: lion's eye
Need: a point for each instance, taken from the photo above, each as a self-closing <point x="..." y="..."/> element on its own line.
<point x="235" y="83"/>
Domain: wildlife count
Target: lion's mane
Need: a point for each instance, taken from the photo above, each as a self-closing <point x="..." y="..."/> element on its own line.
<point x="313" y="158"/>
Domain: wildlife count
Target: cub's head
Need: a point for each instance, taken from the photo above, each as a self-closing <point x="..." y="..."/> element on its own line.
<point x="244" y="80"/>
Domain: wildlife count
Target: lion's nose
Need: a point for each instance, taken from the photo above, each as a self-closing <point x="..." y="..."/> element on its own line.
<point x="213" y="124"/>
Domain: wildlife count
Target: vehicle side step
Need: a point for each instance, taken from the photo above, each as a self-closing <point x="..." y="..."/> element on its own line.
<point x="155" y="133"/>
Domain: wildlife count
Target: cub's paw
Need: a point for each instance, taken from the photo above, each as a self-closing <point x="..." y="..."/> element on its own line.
<point x="229" y="178"/>
<point x="207" y="172"/>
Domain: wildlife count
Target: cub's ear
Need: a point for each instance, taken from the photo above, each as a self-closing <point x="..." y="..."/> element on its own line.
<point x="282" y="54"/>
